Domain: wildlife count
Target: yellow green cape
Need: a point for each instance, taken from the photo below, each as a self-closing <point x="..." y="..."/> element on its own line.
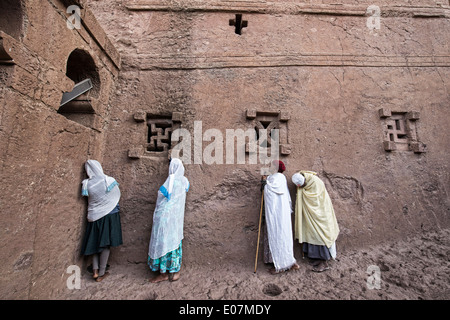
<point x="315" y="220"/>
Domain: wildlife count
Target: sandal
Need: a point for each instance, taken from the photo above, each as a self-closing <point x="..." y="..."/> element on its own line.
<point x="315" y="269"/>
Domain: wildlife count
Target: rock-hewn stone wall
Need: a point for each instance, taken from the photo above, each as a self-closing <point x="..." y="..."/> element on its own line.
<point x="42" y="151"/>
<point x="338" y="75"/>
<point x="320" y="62"/>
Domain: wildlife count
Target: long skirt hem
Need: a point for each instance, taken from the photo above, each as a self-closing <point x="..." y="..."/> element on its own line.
<point x="102" y="233"/>
<point x="313" y="251"/>
<point x="170" y="262"/>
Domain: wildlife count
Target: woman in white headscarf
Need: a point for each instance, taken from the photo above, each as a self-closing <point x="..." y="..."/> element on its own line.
<point x="103" y="229"/>
<point x="165" y="251"/>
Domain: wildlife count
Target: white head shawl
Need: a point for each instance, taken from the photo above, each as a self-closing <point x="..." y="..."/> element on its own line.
<point x="176" y="169"/>
<point x="298" y="179"/>
<point x="168" y="217"/>
<point x="100" y="188"/>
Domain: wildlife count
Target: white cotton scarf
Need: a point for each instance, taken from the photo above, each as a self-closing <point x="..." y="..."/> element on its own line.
<point x="168" y="217"/>
<point x="102" y="191"/>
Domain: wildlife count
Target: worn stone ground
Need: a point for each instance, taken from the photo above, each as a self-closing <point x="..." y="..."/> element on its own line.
<point x="416" y="268"/>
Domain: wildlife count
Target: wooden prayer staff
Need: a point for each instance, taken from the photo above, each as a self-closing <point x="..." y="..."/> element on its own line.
<point x="259" y="230"/>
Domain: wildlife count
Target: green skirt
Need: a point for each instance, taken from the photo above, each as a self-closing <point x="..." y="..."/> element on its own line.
<point x="103" y="233"/>
<point x="170" y="262"/>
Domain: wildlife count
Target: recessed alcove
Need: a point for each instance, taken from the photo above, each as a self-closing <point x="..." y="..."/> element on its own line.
<point x="77" y="104"/>
<point x="81" y="66"/>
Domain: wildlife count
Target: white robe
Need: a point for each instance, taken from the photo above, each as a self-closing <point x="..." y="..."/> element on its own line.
<point x="278" y="208"/>
<point x="168" y="217"/>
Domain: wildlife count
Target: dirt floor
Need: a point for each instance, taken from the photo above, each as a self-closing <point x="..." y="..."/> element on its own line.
<point x="417" y="268"/>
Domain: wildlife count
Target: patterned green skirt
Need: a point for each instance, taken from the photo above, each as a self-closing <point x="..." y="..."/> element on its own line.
<point x="170" y="262"/>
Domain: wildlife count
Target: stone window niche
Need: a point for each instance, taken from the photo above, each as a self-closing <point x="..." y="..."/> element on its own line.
<point x="159" y="128"/>
<point x="159" y="133"/>
<point x="81" y="69"/>
<point x="81" y="66"/>
<point x="270" y="120"/>
<point x="400" y="131"/>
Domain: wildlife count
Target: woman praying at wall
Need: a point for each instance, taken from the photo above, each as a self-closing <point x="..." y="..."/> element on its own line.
<point x="316" y="226"/>
<point x="103" y="229"/>
<point x="278" y="210"/>
<point x="165" y="252"/>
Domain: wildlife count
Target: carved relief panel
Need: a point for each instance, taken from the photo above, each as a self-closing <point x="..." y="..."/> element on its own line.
<point x="400" y="131"/>
<point x="158" y="134"/>
<point x="264" y="122"/>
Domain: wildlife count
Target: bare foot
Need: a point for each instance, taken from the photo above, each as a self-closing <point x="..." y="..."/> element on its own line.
<point x="100" y="278"/>
<point x="175" y="276"/>
<point x="95" y="276"/>
<point x="273" y="271"/>
<point x="295" y="267"/>
<point x="160" y="277"/>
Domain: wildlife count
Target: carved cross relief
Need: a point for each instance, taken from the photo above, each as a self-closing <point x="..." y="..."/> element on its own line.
<point x="400" y="131"/>
<point x="267" y="121"/>
<point x="159" y="133"/>
<point x="238" y="24"/>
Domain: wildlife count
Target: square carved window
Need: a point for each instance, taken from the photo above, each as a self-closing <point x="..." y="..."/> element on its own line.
<point x="400" y="131"/>
<point x="266" y="121"/>
<point x="158" y="134"/>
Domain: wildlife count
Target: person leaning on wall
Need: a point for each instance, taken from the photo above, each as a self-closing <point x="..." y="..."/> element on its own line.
<point x="277" y="206"/>
<point x="316" y="227"/>
<point x="104" y="228"/>
<point x="165" y="248"/>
